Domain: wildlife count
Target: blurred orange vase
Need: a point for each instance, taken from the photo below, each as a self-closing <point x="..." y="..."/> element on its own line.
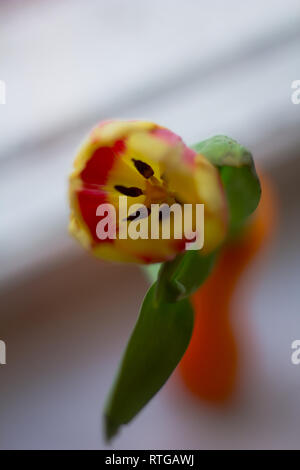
<point x="209" y="366"/>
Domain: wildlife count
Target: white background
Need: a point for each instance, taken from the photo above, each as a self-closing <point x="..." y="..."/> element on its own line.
<point x="200" y="68"/>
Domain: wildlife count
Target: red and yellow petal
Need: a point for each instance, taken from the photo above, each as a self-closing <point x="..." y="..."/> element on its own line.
<point x="107" y="159"/>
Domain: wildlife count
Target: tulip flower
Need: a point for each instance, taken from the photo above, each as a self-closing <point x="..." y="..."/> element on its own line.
<point x="145" y="164"/>
<point x="137" y="165"/>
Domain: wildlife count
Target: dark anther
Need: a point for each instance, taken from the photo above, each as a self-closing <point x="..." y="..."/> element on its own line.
<point x="132" y="191"/>
<point x="143" y="168"/>
<point x="164" y="213"/>
<point x="137" y="214"/>
<point x="177" y="201"/>
<point x="133" y="216"/>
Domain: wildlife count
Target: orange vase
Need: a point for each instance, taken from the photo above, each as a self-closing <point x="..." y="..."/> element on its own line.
<point x="209" y="366"/>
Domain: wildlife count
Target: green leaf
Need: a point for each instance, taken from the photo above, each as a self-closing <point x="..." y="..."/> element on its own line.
<point x="243" y="194"/>
<point x="158" y="342"/>
<point x="182" y="276"/>
<point x="237" y="171"/>
<point x="221" y="150"/>
<point x="194" y="270"/>
<point x="167" y="289"/>
<point x="151" y="271"/>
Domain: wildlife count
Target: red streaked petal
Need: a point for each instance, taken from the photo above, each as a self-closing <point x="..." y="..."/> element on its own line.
<point x="173" y="140"/>
<point x="88" y="201"/>
<point x="119" y="146"/>
<point x="101" y="162"/>
<point x="98" y="166"/>
<point x="167" y="135"/>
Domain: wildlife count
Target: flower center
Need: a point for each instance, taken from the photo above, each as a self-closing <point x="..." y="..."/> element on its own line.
<point x="156" y="192"/>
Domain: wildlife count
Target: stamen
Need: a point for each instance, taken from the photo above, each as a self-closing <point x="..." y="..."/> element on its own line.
<point x="177" y="200"/>
<point x="132" y="191"/>
<point x="143" y="168"/>
<point x="137" y="214"/>
<point x="133" y="216"/>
